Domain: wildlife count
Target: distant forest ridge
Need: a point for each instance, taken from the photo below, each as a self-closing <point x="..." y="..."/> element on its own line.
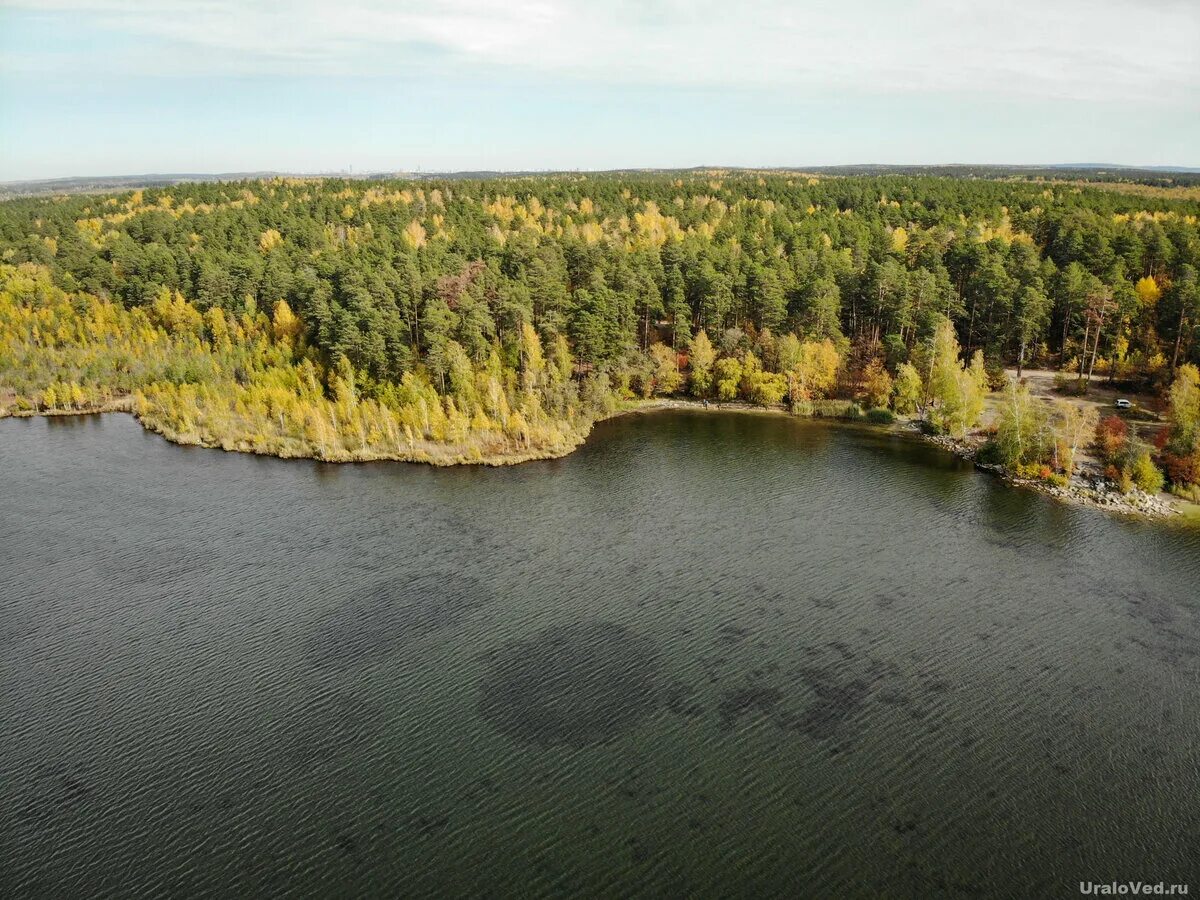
<point x="1155" y="176"/>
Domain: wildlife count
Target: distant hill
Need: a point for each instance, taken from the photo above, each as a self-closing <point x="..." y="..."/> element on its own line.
<point x="1158" y="176"/>
<point x="110" y="183"/>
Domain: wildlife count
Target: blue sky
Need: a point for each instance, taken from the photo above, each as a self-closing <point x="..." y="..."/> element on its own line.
<point x="94" y="87"/>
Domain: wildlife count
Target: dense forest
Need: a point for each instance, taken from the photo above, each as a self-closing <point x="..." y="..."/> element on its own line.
<point x="470" y="319"/>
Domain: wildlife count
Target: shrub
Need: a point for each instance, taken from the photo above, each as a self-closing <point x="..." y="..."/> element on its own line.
<point x="996" y="376"/>
<point x="1187" y="491"/>
<point x="1145" y="474"/>
<point x="1183" y="470"/>
<point x="989" y="454"/>
<point x="802" y="408"/>
<point x="837" y="409"/>
<point x="880" y="416"/>
<point x="1123" y="481"/>
<point x="1067" y="382"/>
<point x="1042" y="472"/>
<point x="1111" y="436"/>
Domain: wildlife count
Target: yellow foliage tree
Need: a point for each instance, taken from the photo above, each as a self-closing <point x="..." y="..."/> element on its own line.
<point x="1148" y="291"/>
<point x="269" y="240"/>
<point x="414" y="234"/>
<point x="285" y="326"/>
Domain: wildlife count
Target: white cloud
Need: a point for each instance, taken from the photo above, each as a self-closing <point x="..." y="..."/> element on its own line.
<point x="1075" y="49"/>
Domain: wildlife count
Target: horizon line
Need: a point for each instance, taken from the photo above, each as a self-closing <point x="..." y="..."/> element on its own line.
<point x="399" y="173"/>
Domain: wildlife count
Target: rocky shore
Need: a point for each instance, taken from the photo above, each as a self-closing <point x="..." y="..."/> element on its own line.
<point x="1087" y="487"/>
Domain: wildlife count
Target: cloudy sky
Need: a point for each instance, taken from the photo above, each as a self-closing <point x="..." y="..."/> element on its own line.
<point x="91" y="87"/>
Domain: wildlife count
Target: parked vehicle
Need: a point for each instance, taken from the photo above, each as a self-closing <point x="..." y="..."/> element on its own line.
<point x="1124" y="404"/>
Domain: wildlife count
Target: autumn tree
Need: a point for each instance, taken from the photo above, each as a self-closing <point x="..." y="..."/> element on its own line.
<point x="875" y="385"/>
<point x="955" y="393"/>
<point x="667" y="378"/>
<point x="701" y="360"/>
<point x="906" y="389"/>
<point x="1181" y="454"/>
<point x="1022" y="428"/>
<point x="729" y="377"/>
<point x="1185" y="294"/>
<point x="1073" y="426"/>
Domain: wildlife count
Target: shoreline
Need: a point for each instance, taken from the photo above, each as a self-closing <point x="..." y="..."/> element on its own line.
<point x="1086" y="487"/>
<point x="1080" y="491"/>
<point x="423" y="453"/>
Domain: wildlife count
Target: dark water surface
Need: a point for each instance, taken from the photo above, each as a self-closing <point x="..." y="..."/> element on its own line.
<point x="706" y="654"/>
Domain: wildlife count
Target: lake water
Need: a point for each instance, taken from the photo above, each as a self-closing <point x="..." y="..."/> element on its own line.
<point x="708" y="654"/>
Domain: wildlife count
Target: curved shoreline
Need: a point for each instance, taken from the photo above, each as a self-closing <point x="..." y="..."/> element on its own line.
<point x="1084" y="488"/>
<point x="1080" y="491"/>
<point x="424" y="453"/>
